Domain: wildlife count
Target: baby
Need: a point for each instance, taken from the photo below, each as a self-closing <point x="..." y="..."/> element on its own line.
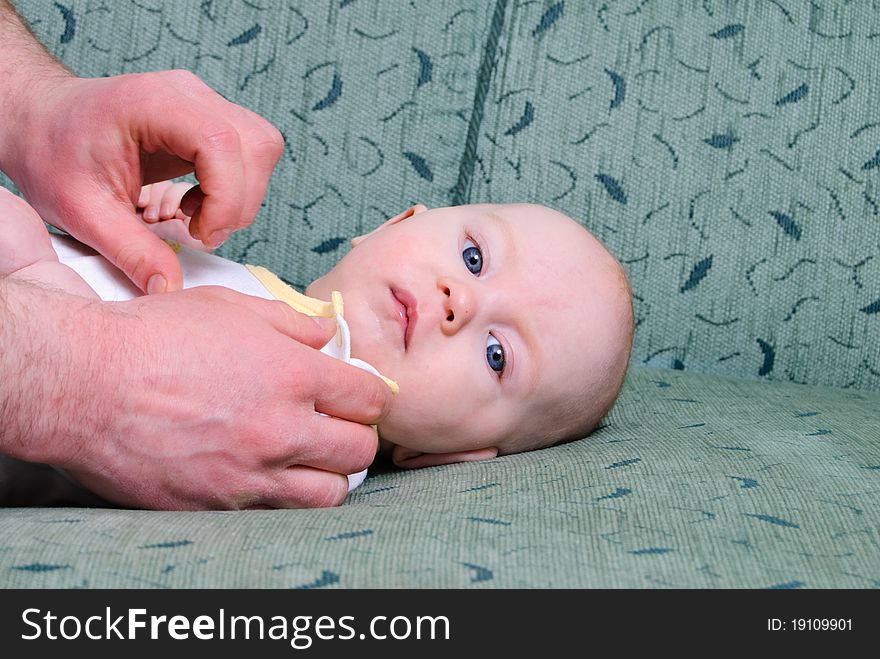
<point x="507" y="327"/>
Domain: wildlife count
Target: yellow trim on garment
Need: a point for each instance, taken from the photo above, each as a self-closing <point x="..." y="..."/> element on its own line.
<point x="309" y="306"/>
<point x="395" y="388"/>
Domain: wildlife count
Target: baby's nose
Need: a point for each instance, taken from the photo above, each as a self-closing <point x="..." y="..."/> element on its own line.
<point x="459" y="305"/>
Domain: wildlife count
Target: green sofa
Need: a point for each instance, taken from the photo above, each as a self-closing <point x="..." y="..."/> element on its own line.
<point x="727" y="152"/>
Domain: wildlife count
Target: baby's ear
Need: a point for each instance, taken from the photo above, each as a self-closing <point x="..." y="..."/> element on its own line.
<point x="408" y="459"/>
<point x="409" y="212"/>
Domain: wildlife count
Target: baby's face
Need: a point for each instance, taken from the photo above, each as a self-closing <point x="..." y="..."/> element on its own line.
<point x="497" y="321"/>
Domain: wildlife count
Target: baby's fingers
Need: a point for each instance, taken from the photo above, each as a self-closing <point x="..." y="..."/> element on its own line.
<point x="169" y="204"/>
<point x="144" y="198"/>
<point x="150" y="199"/>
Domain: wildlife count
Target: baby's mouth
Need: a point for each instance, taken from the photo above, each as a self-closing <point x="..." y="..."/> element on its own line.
<point x="405" y="308"/>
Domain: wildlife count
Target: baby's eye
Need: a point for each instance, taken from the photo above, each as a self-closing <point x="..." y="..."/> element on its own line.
<point x="495" y="354"/>
<point x="473" y="257"/>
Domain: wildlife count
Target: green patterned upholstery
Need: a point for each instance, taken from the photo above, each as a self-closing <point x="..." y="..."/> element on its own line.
<point x="727" y="152"/>
<point x="696" y="481"/>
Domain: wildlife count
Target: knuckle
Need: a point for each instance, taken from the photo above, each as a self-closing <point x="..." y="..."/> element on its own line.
<point x="333" y="494"/>
<point x="276" y="138"/>
<point x="307" y="488"/>
<point x="221" y="138"/>
<point x="219" y="293"/>
<point x="209" y="291"/>
<point x="265" y="440"/>
<point x="272" y="147"/>
<point x="134" y="87"/>
<point x="364" y="445"/>
<point x="182" y="76"/>
<point x="376" y="398"/>
<point x="131" y="260"/>
<point x="275" y="312"/>
<point x="288" y="316"/>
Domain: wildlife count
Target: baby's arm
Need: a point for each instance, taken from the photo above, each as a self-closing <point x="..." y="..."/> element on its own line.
<point x="26" y="250"/>
<point x="161" y="206"/>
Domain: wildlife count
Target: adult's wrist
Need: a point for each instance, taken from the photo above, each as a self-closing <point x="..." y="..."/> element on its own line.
<point x="51" y="371"/>
<point x="27" y="73"/>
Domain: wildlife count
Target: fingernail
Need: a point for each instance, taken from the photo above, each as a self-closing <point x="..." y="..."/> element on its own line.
<point x="156" y="284"/>
<point x="166" y="210"/>
<point x="218" y="238"/>
<point x="151" y="214"/>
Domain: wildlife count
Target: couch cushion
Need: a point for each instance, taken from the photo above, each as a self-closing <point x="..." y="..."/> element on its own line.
<point x="728" y="153"/>
<point x="694" y="481"/>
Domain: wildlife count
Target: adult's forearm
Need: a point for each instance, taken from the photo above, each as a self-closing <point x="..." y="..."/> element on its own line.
<point x="45" y="366"/>
<point x="25" y="66"/>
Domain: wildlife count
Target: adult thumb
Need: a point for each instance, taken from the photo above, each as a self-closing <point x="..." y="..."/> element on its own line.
<point x="145" y="258"/>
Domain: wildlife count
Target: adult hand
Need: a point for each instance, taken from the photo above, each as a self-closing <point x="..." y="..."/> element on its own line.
<point x="137" y="416"/>
<point x="80" y="149"/>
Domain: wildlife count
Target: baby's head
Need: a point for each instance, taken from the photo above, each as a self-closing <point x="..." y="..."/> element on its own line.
<point x="508" y="328"/>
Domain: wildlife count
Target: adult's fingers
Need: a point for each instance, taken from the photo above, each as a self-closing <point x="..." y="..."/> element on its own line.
<point x="313" y="332"/>
<point x="348" y="392"/>
<point x="232" y="150"/>
<point x="304" y="487"/>
<point x="262" y="146"/>
<point x="129" y="245"/>
<point x="332" y="444"/>
<point x="191" y="201"/>
<point x="214" y="146"/>
<point x="161" y="166"/>
<point x="262" y="143"/>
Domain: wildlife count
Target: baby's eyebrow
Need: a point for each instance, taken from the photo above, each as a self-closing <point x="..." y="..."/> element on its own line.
<point x="532" y="357"/>
<point x="502" y="226"/>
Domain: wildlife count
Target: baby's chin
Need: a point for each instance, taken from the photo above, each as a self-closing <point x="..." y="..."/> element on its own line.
<point x="373" y="350"/>
<point x="389" y="429"/>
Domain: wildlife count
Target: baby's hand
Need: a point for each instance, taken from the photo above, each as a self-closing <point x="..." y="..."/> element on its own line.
<point x="161" y="205"/>
<point x="161" y="201"/>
